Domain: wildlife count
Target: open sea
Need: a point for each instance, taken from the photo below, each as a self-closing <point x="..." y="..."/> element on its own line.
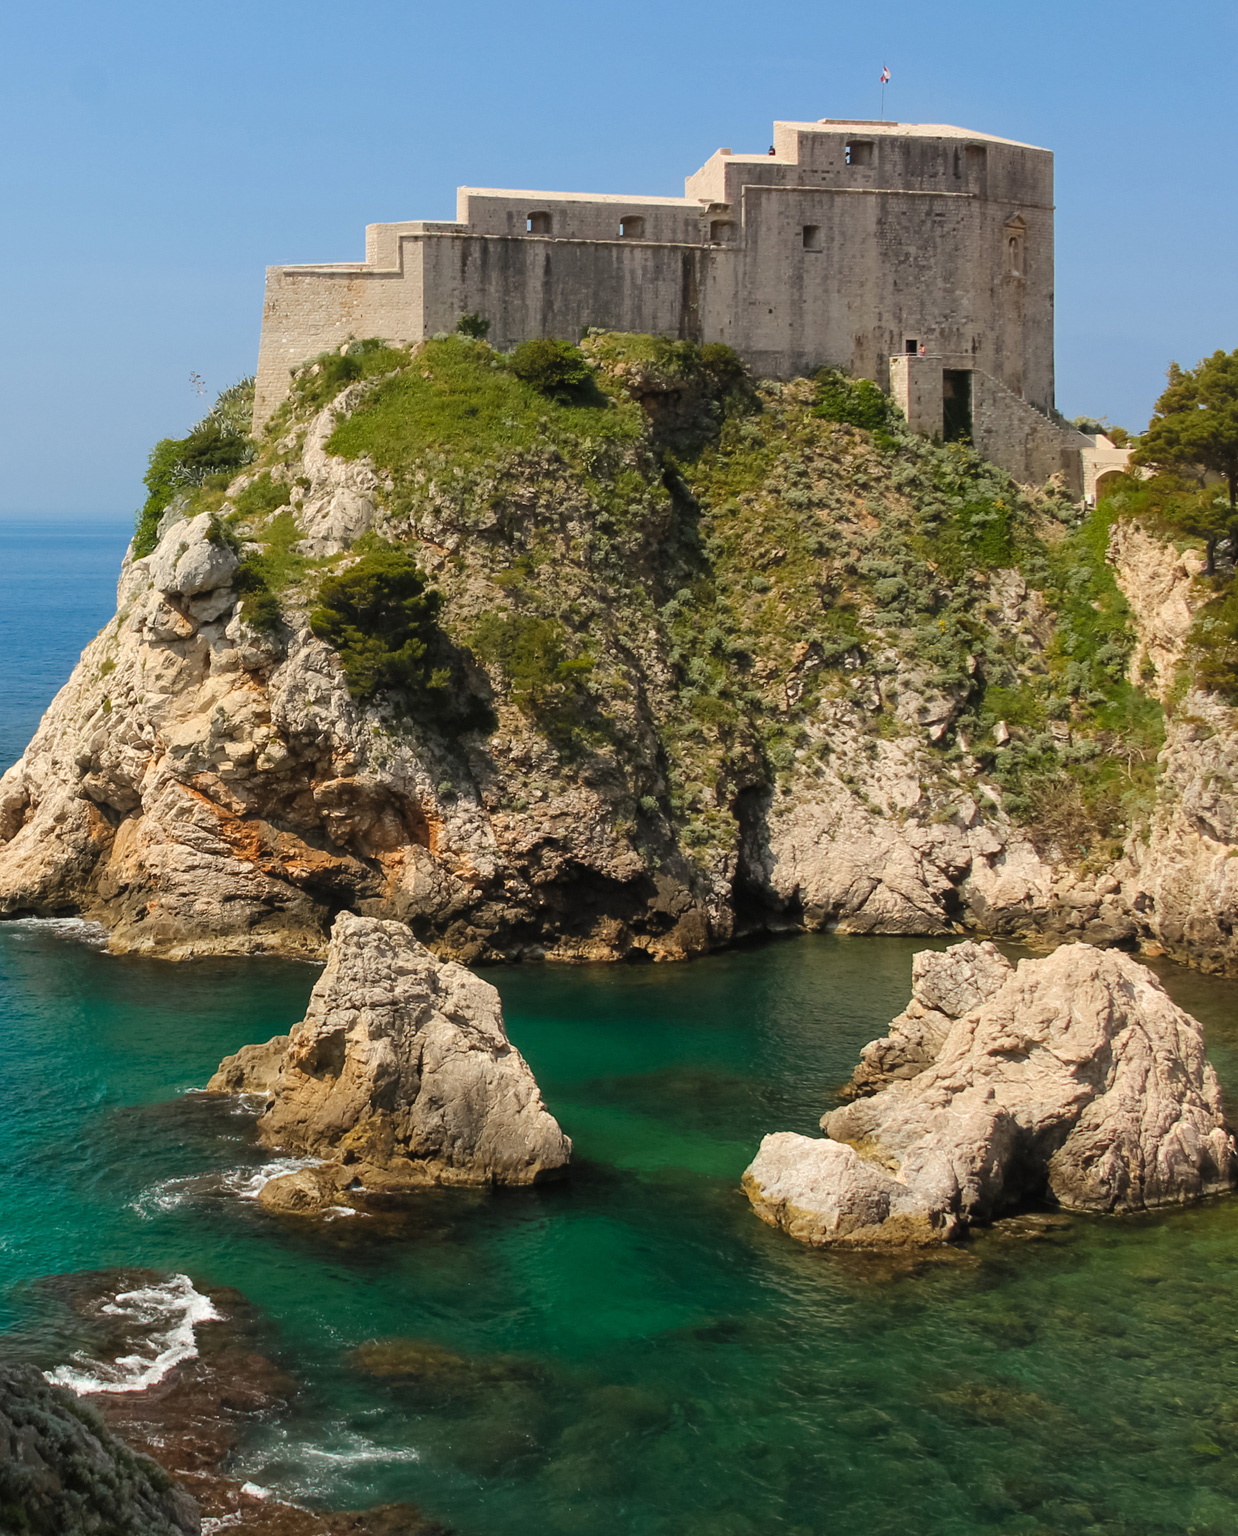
<point x="630" y="1352"/>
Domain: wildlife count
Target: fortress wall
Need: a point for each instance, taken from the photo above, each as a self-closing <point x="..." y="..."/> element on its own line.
<point x="308" y="310"/>
<point x="849" y="241"/>
<point x="536" y="287"/>
<point x="673" y="219"/>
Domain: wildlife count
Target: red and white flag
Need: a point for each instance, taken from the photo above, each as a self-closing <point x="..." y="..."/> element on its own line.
<point x="885" y="76"/>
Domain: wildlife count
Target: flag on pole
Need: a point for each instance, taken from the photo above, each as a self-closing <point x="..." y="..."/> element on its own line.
<point x="885" y="76"/>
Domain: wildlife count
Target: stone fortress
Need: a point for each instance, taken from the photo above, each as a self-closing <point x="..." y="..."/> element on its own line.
<point x="916" y="255"/>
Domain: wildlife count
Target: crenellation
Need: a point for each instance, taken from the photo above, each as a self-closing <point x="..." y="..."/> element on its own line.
<point x="850" y="240"/>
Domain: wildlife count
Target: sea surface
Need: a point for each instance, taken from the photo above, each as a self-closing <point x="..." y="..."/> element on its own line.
<point x="630" y="1352"/>
<point x="60" y="590"/>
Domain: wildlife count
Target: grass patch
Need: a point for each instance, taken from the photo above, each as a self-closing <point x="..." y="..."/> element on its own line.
<point x="261" y="497"/>
<point x="317" y="383"/>
<point x="459" y="399"/>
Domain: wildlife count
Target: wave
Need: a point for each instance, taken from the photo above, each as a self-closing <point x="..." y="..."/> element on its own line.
<point x="247" y="1182"/>
<point x="77" y="928"/>
<point x="243" y="1183"/>
<point x="171" y="1310"/>
<point x="292" y="1466"/>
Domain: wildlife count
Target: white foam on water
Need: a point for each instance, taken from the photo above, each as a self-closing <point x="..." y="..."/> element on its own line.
<point x="333" y="1212"/>
<point x="361" y="1451"/>
<point x="175" y="1309"/>
<point x="255" y="1492"/>
<point x="77" y="928"/>
<point x="167" y="1194"/>
<point x="243" y="1183"/>
<point x="297" y="1468"/>
<point x="246" y="1182"/>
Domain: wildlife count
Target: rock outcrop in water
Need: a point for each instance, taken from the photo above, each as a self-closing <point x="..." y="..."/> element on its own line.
<point x="62" y="1473"/>
<point x="1073" y="1078"/>
<point x="401" y="1075"/>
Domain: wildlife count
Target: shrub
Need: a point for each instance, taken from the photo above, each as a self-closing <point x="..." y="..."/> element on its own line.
<point x="545" y="681"/>
<point x="725" y="365"/>
<point x="473" y="326"/>
<point x="383" y="620"/>
<point x="555" y="368"/>
<point x="1214" y="644"/>
<point x="858" y="402"/>
<point x="216" y="446"/>
<point x="259" y="605"/>
<point x="262" y="496"/>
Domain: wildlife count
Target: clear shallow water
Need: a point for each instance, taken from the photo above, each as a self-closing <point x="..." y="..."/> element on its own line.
<point x="631" y="1353"/>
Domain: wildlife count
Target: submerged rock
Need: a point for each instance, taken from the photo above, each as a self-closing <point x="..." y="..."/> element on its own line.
<point x="1073" y="1077"/>
<point x="401" y="1075"/>
<point x="192" y="1419"/>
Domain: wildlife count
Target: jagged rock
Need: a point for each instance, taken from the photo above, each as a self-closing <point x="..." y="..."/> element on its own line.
<point x="1073" y="1077"/>
<point x="945" y="984"/>
<point x="62" y="1473"/>
<point x="1157" y="581"/>
<point x="1183" y="887"/>
<point x="400" y="1075"/>
<point x="253" y="1069"/>
<point x="187" y="561"/>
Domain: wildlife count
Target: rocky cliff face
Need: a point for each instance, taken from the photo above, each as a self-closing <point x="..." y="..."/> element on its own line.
<point x="1073" y="1078"/>
<point x="1179" y="880"/>
<point x="706" y="661"/>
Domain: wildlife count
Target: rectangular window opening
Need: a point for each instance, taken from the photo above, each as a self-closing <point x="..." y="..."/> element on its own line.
<point x="812" y="237"/>
<point x="632" y="228"/>
<point x="721" y="232"/>
<point x="859" y="152"/>
<point x="537" y="224"/>
<point x="911" y="346"/>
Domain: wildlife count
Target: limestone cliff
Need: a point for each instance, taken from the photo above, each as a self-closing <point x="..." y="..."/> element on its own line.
<point x="704" y="658"/>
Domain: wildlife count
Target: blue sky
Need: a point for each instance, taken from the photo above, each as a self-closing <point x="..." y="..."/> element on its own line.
<point x="157" y="156"/>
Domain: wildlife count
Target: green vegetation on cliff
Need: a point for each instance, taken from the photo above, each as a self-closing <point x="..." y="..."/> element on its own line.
<point x="382" y="620"/>
<point x="678" y="572"/>
<point x="209" y="455"/>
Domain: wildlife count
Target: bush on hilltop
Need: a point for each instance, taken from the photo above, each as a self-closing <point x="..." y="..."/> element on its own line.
<point x="382" y="618"/>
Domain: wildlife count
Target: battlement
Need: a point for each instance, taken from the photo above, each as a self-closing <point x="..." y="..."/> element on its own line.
<point x="847" y="244"/>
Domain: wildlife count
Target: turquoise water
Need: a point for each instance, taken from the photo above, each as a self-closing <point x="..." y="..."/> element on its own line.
<point x="631" y="1352"/>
